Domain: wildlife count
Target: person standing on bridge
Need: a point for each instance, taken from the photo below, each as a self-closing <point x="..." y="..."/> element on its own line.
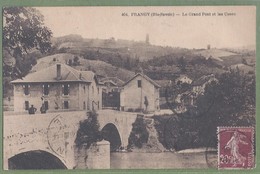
<point x="43" y="109"/>
<point x="32" y="110"/>
<point x="146" y="103"/>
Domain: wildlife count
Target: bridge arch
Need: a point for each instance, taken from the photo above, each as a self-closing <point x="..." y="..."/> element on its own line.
<point x="111" y="133"/>
<point x="36" y="159"/>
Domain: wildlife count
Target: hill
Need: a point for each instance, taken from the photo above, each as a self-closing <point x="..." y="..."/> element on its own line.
<point x="144" y="51"/>
<point x="214" y="53"/>
<point x="99" y="67"/>
<point x="243" y="67"/>
<point x="155" y="60"/>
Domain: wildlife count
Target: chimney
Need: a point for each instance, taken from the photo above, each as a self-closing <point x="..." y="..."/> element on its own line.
<point x="58" y="71"/>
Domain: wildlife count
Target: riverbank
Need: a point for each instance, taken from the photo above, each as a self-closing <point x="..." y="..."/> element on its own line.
<point x="149" y="149"/>
<point x="164" y="160"/>
<point x="198" y="150"/>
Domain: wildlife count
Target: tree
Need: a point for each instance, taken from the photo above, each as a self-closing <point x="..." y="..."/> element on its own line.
<point x="244" y="61"/>
<point x="229" y="102"/>
<point x="139" y="134"/>
<point x="174" y="90"/>
<point x="76" y="61"/>
<point x="70" y="62"/>
<point x="88" y="132"/>
<point x="24" y="31"/>
<point x="182" y="64"/>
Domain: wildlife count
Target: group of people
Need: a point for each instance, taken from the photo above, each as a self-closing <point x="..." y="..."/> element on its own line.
<point x="32" y="109"/>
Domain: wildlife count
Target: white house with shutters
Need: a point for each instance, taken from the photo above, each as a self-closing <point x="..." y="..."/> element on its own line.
<point x="59" y="87"/>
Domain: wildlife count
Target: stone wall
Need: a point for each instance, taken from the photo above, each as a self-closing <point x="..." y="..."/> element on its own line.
<point x="52" y="132"/>
<point x="96" y="157"/>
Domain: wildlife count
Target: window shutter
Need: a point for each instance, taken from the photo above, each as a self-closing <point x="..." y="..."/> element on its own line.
<point x="26" y="89"/>
<point x="46" y="105"/>
<point x="26" y="105"/>
<point x="62" y="92"/>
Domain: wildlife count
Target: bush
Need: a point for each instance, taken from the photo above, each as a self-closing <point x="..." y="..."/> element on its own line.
<point x="178" y="133"/>
<point x="88" y="132"/>
<point x="139" y="135"/>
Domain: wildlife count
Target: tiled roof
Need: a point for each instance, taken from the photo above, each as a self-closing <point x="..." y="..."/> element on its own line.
<point x="202" y="80"/>
<point x="113" y="80"/>
<point x="146" y="77"/>
<point x="163" y="83"/>
<point x="49" y="74"/>
<point x="182" y="76"/>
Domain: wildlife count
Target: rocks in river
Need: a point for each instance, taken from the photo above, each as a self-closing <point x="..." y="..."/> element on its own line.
<point x="153" y="144"/>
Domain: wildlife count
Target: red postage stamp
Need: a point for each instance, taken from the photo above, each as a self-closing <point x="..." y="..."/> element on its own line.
<point x="235" y="147"/>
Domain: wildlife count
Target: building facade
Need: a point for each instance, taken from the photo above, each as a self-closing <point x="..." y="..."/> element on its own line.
<point x="140" y="93"/>
<point x="59" y="88"/>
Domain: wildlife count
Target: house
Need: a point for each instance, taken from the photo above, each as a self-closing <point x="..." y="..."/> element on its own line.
<point x="199" y="85"/>
<point x="58" y="87"/>
<point x="183" y="101"/>
<point x="140" y="93"/>
<point x="183" y="79"/>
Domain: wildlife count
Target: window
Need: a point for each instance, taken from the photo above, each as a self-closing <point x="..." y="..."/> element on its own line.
<point x="84" y="105"/>
<point x="139" y="83"/>
<point x="26" y="89"/>
<point x="66" y="105"/>
<point x="66" y="89"/>
<point x="46" y="105"/>
<point x="26" y="105"/>
<point x="46" y="89"/>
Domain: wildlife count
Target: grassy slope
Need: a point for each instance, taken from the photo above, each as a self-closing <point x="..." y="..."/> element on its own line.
<point x="214" y="53"/>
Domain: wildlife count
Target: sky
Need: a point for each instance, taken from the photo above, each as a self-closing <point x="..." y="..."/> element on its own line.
<point x="181" y="29"/>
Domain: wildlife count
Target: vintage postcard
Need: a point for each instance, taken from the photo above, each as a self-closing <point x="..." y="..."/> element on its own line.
<point x="141" y="87"/>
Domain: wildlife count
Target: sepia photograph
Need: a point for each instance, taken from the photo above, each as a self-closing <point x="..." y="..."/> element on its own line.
<point x="120" y="87"/>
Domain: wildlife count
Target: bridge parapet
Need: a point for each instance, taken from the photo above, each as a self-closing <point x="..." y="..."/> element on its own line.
<point x="51" y="132"/>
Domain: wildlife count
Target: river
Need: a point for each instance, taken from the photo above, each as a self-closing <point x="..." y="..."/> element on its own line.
<point x="164" y="160"/>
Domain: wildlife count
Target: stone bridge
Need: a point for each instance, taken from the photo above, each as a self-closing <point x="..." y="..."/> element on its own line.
<point x="54" y="134"/>
<point x="122" y="121"/>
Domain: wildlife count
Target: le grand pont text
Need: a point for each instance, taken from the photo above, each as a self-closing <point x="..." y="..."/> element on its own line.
<point x="147" y="14"/>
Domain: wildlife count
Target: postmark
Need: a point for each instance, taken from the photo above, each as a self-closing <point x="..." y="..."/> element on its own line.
<point x="236" y="148"/>
<point x="55" y="136"/>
